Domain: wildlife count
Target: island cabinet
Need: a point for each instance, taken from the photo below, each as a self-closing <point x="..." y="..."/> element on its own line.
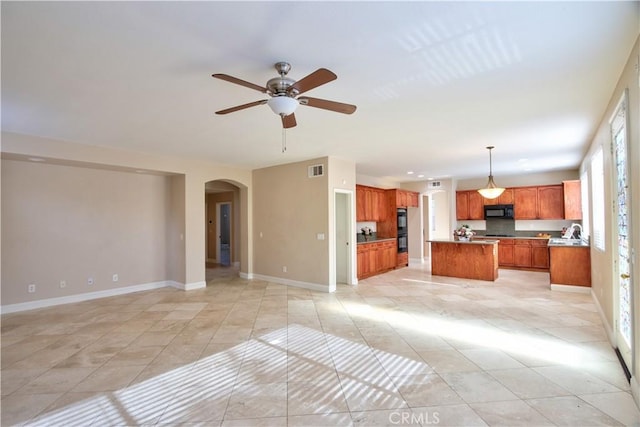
<point x="376" y="257"/>
<point x="469" y="260"/>
<point x="542" y="202"/>
<point x="570" y="265"/>
<point x="371" y="204"/>
<point x="572" y="200"/>
<point x="469" y="205"/>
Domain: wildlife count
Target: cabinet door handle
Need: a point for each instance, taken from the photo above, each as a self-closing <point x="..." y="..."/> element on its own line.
<point x="624" y="276"/>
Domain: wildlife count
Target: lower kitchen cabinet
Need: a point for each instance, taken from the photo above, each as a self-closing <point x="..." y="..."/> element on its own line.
<point x="570" y="265"/>
<point x="505" y="253"/>
<point x="527" y="254"/>
<point x="376" y="257"/>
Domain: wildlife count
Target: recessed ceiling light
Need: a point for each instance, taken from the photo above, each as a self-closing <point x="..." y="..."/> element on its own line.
<point x="36" y="159"/>
<point x="523" y="160"/>
<point x="410" y="173"/>
<point x="420" y="176"/>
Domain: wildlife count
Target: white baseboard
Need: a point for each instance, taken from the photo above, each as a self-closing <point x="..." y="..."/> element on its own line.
<point x="571" y="288"/>
<point x="416" y="261"/>
<point x="635" y="390"/>
<point x="294" y="283"/>
<point x="193" y="286"/>
<point x="50" y="302"/>
<point x="607" y="327"/>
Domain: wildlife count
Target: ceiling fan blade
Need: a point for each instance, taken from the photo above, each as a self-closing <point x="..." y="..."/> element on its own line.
<point x="240" y="82"/>
<point x="242" y="107"/>
<point x="338" y="107"/>
<point x="289" y="121"/>
<point x="313" y="80"/>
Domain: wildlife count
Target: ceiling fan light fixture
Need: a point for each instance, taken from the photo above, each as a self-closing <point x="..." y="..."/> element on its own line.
<point x="283" y="105"/>
<point x="491" y="190"/>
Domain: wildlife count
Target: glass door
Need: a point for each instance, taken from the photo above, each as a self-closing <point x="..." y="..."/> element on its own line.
<point x="623" y="286"/>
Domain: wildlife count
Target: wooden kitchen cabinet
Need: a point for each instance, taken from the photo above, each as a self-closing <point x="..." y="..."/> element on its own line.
<point x="539" y="254"/>
<point x="570" y="265"/>
<point x="405" y="199"/>
<point x="505" y="252"/>
<point x="525" y="202"/>
<point x="402" y="259"/>
<point x="541" y="202"/>
<point x="370" y="204"/>
<point x="522" y="254"/>
<point x="551" y="202"/>
<point x="506" y="198"/>
<point x="469" y="205"/>
<point x="572" y="200"/>
<point x="375" y="258"/>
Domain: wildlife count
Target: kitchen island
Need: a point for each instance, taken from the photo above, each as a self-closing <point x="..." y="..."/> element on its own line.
<point x="468" y="260"/>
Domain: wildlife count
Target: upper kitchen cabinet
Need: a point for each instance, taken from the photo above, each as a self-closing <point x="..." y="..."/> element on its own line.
<point x="469" y="205"/>
<point x="543" y="202"/>
<point x="525" y="203"/>
<point x="370" y="204"/>
<point x="551" y="202"/>
<point x="572" y="200"/>
<point x="406" y="199"/>
<point x="506" y="198"/>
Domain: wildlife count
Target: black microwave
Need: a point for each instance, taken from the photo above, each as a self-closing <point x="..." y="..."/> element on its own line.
<point x="498" y="211"/>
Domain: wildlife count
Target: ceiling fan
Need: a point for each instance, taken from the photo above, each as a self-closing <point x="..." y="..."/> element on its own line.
<point x="284" y="91"/>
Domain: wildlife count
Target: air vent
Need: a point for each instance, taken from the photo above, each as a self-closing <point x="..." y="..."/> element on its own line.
<point x="434" y="184"/>
<point x="316" y="170"/>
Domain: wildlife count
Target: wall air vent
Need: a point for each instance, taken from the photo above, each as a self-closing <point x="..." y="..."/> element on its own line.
<point x="316" y="170"/>
<point x="434" y="184"/>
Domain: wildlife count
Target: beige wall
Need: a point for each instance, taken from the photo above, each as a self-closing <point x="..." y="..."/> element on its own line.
<point x="188" y="232"/>
<point x="602" y="263"/>
<point x="292" y="208"/>
<point x="71" y="223"/>
<point x="176" y="268"/>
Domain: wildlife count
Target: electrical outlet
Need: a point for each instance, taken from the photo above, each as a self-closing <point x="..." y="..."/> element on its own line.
<point x="284" y="268"/>
<point x="31" y="288"/>
<point x="115" y="278"/>
<point x="90" y="281"/>
<point x="63" y="283"/>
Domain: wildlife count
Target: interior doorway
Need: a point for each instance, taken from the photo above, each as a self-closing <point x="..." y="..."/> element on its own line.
<point x="343" y="240"/>
<point x="223" y="231"/>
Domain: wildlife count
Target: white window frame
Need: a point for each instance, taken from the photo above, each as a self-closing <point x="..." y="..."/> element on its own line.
<point x="598" y="200"/>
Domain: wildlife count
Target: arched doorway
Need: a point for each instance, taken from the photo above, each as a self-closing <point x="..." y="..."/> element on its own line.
<point x="222" y="228"/>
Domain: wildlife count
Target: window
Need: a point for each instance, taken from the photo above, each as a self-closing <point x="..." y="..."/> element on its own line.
<point x="597" y="197"/>
<point x="584" y="191"/>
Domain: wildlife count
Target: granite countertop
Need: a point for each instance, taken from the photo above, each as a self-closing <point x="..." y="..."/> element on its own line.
<point x="374" y="239"/>
<point x="570" y="243"/>
<point x="472" y="242"/>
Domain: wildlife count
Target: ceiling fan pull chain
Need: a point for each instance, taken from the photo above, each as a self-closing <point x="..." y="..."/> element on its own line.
<point x="284" y="139"/>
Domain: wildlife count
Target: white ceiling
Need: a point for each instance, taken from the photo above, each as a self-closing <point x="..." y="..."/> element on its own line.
<point x="434" y="82"/>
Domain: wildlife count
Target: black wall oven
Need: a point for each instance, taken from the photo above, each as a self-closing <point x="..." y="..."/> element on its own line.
<point x="402" y="231"/>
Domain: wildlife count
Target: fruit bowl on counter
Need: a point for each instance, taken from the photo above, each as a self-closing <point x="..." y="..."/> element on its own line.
<point x="544" y="235"/>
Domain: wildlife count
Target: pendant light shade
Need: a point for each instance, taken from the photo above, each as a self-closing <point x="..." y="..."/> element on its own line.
<point x="491" y="190"/>
<point x="283" y="105"/>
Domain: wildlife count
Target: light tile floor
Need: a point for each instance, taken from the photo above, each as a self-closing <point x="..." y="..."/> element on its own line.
<point x="403" y="348"/>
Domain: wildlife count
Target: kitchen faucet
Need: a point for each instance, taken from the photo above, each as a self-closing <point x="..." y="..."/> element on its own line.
<point x="573" y="232"/>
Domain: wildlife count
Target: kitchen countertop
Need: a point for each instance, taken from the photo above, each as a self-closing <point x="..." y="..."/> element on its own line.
<point x="513" y="237"/>
<point x="375" y="240"/>
<point x="568" y="243"/>
<point x="472" y="242"/>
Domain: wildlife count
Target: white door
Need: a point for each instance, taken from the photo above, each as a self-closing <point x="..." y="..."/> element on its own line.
<point x="623" y="278"/>
<point x="342" y="237"/>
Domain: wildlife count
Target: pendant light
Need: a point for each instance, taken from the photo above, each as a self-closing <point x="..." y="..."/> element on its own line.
<point x="491" y="190"/>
